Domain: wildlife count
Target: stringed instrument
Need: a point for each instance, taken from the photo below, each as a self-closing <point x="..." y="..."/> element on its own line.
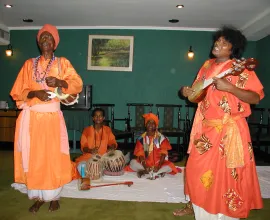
<point x="199" y="88"/>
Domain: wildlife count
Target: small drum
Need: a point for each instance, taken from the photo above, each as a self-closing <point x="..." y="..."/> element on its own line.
<point x="66" y="99"/>
<point x="113" y="163"/>
<point x="93" y="169"/>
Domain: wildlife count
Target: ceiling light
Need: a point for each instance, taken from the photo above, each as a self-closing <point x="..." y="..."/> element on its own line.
<point x="174" y="20"/>
<point x="8" y="6"/>
<point x="28" y="20"/>
<point x="179" y="6"/>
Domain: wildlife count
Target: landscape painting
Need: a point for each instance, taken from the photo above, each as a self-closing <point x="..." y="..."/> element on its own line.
<point x="113" y="53"/>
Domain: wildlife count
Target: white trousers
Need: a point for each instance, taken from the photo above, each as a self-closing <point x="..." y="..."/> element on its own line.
<point x="136" y="166"/>
<point x="201" y="214"/>
<point x="45" y="195"/>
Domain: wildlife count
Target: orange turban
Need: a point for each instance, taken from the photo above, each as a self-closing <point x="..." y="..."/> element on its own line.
<point x="150" y="116"/>
<point x="52" y="30"/>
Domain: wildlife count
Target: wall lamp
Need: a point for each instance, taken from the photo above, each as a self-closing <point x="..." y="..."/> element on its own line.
<point x="190" y="53"/>
<point x="9" y="51"/>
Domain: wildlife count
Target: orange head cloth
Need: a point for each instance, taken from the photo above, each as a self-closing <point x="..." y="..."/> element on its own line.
<point x="52" y="30"/>
<point x="150" y="116"/>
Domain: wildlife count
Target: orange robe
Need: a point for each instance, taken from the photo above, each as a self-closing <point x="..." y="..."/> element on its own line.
<point x="161" y="145"/>
<point x="91" y="138"/>
<point x="49" y="168"/>
<point x="221" y="172"/>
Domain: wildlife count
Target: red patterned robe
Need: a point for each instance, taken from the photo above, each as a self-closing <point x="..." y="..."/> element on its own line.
<point x="221" y="172"/>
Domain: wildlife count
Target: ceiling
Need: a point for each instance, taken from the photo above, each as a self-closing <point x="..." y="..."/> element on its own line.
<point x="251" y="16"/>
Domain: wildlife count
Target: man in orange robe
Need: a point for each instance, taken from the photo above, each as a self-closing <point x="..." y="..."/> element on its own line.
<point x="41" y="149"/>
<point x="95" y="139"/>
<point x="151" y="151"/>
<point x="221" y="178"/>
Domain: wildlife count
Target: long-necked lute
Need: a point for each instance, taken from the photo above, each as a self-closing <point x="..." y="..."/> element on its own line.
<point x="238" y="66"/>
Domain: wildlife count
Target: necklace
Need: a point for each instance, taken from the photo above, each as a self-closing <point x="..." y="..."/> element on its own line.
<point x="100" y="138"/>
<point x="37" y="74"/>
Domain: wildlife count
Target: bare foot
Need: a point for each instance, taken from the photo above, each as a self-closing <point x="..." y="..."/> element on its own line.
<point x="54" y="205"/>
<point x="141" y="173"/>
<point x="187" y="210"/>
<point x="162" y="175"/>
<point x="35" y="207"/>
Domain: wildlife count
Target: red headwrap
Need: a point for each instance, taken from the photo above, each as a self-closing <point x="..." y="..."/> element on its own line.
<point x="52" y="30"/>
<point x="150" y="116"/>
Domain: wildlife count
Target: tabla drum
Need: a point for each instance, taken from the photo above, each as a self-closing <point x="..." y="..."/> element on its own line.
<point x="66" y="99"/>
<point x="94" y="167"/>
<point x="113" y="163"/>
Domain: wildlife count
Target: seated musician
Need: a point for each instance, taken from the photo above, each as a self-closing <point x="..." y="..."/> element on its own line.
<point x="152" y="151"/>
<point x="95" y="139"/>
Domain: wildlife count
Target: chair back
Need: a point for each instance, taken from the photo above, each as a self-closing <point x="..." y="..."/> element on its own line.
<point x="169" y="114"/>
<point x="139" y="121"/>
<point x="168" y="117"/>
<point x="140" y="109"/>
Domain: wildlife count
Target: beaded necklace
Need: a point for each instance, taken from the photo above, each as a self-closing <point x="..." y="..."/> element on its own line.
<point x="38" y="76"/>
<point x="100" y="138"/>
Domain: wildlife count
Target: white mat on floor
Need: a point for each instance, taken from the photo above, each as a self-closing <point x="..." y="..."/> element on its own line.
<point x="169" y="189"/>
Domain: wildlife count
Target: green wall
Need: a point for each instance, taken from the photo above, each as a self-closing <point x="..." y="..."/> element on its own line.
<point x="263" y="71"/>
<point x="160" y="64"/>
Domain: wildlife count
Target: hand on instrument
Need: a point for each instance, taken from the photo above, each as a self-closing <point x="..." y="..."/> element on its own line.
<point x="52" y="81"/>
<point x="93" y="150"/>
<point x="110" y="148"/>
<point x="156" y="169"/>
<point x="238" y="66"/>
<point x="222" y="84"/>
<point x="42" y="95"/>
<point x="186" y="91"/>
<point x="147" y="169"/>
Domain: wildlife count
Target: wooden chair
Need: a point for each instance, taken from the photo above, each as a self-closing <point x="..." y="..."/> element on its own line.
<point x="190" y="113"/>
<point x="255" y="120"/>
<point x="168" y="128"/>
<point x="140" y="109"/>
<point x="264" y="136"/>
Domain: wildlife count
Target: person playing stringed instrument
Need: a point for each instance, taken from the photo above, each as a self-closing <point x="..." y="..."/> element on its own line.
<point x="95" y="139"/>
<point x="221" y="179"/>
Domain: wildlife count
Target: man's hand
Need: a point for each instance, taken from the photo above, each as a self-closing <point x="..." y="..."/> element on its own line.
<point x="110" y="148"/>
<point x="86" y="150"/>
<point x="54" y="82"/>
<point x="93" y="150"/>
<point x="156" y="168"/>
<point x="186" y="91"/>
<point x="222" y="84"/>
<point x="40" y="94"/>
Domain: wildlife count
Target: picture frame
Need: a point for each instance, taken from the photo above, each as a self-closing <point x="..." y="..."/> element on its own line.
<point x="110" y="53"/>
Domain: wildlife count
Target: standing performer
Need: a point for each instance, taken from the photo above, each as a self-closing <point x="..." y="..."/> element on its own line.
<point x="221" y="178"/>
<point x="151" y="151"/>
<point x="41" y="148"/>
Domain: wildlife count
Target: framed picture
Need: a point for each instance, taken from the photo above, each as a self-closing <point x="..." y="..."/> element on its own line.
<point x="114" y="53"/>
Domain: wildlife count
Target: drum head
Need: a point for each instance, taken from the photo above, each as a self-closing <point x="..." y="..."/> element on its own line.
<point x="113" y="163"/>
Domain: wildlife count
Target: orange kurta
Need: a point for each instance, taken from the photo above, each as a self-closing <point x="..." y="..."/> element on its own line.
<point x="49" y="168"/>
<point x="91" y="138"/>
<point x="161" y="145"/>
<point x="221" y="172"/>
